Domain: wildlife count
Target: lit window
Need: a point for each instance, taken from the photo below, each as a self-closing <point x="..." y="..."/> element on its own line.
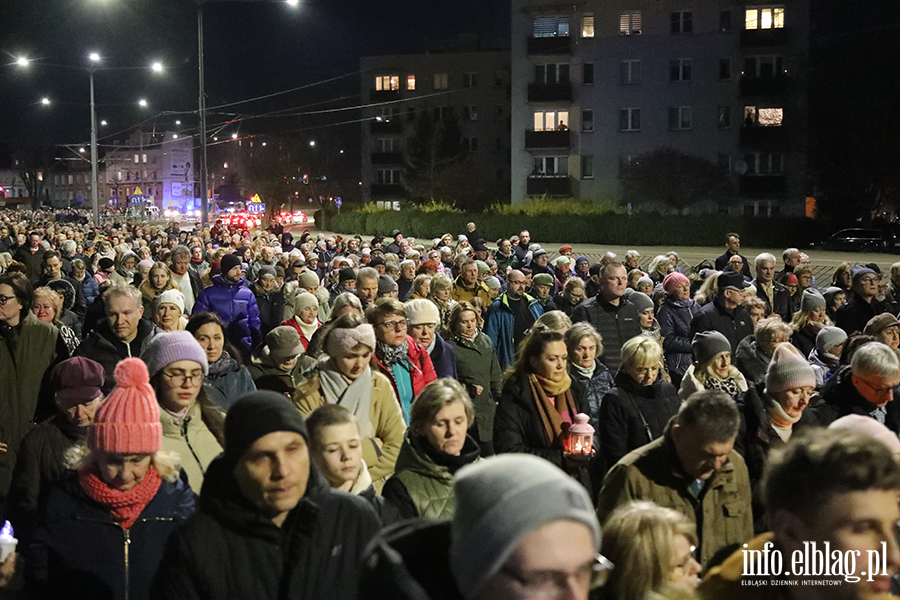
<point x="440" y="81"/>
<point x="551" y="26"/>
<point x="587" y="26"/>
<point x="758" y="17"/>
<point x="387" y="83"/>
<point x="770" y="117"/>
<point x="410" y="82"/>
<point x="549" y="120"/>
<point x="630" y="23"/>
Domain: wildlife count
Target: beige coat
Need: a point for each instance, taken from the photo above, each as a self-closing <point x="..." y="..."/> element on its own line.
<point x="381" y="452"/>
<point x="193" y="441"/>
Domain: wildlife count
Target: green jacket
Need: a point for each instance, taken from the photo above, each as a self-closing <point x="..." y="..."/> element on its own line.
<point x="26" y="355"/>
<point x="477" y="364"/>
<point x="653" y="472"/>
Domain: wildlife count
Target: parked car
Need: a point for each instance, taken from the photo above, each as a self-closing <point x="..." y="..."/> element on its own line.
<point x="857" y="239"/>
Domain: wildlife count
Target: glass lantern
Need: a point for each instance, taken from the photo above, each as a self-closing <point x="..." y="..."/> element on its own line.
<point x="580" y="441"/>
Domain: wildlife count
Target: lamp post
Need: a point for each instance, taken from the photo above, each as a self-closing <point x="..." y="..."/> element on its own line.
<point x="95" y="191"/>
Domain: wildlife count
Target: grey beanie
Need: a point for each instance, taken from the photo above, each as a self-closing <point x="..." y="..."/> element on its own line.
<point x="500" y="500"/>
<point x="168" y="347"/>
<point x="788" y="370"/>
<point x="308" y="279"/>
<point x="811" y="300"/>
<point x="267" y="270"/>
<point x="645" y="280"/>
<point x="706" y="345"/>
<point x="830" y="293"/>
<point x="641" y="301"/>
<point x="828" y="338"/>
<point x="386" y="285"/>
<point x="492" y="282"/>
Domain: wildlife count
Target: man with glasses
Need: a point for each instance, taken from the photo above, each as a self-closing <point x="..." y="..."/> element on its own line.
<point x="522" y="530"/>
<point x="572" y="295"/>
<point x="865" y="387"/>
<point x="510" y="316"/>
<point x="725" y="313"/>
<point x="860" y="307"/>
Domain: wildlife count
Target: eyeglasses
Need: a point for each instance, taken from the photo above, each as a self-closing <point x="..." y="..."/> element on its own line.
<point x="5" y="299"/>
<point x="553" y="584"/>
<point x="396" y="325"/>
<point x="868" y="280"/>
<point x="179" y="378"/>
<point x="878" y="391"/>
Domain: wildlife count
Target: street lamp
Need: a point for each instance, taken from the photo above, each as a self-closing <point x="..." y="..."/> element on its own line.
<point x="22" y="61"/>
<point x="95" y="192"/>
<point x="45" y="101"/>
<point x="142" y="103"/>
<point x="157" y="67"/>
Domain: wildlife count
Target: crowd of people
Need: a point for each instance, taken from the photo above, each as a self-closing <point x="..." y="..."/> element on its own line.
<point x="231" y="414"/>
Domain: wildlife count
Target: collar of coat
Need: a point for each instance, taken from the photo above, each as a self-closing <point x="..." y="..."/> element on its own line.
<point x="720" y="478"/>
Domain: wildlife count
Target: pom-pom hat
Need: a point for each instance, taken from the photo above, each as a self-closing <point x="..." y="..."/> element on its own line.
<point x="128" y="421"/>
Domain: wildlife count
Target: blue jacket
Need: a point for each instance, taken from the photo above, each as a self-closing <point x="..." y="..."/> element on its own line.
<point x="443" y="357"/>
<point x="90" y="288"/>
<point x="675" y="324"/>
<point x="499" y="325"/>
<point x="235" y="304"/>
<point x="78" y="551"/>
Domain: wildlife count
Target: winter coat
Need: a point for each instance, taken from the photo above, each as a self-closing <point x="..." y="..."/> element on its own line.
<point x="236" y="305"/>
<point x="781" y="297"/>
<point x="750" y="361"/>
<point x="227" y="550"/>
<point x="476" y="364"/>
<point x="735" y="324"/>
<point x="460" y="293"/>
<point x="422" y="484"/>
<point x="192" y="440"/>
<point x="805" y="339"/>
<point x="616" y="324"/>
<point x="442" y="358"/>
<point x="500" y="326"/>
<point x="27" y="353"/>
<point x="633" y="415"/>
<point x="853" y="316"/>
<point x="691" y="383"/>
<point x="269" y="377"/>
<point x="596" y="387"/>
<point x="839" y="397"/>
<point x="292" y="322"/>
<point x="102" y="346"/>
<point x="824" y="366"/>
<point x="271" y="307"/>
<point x="422" y="368"/>
<point x="80" y="552"/>
<point x="563" y="304"/>
<point x="90" y="289"/>
<point x="674" y="318"/>
<point x="381" y="451"/>
<point x="33" y="261"/>
<point x="653" y="472"/>
<point x="227" y="381"/>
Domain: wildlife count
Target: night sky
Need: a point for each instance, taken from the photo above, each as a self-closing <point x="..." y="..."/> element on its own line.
<point x="253" y="48"/>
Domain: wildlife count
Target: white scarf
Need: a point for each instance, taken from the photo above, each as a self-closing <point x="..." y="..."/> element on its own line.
<point x="584" y="372"/>
<point x="363" y="481"/>
<point x="307" y="329"/>
<point x="355" y="397"/>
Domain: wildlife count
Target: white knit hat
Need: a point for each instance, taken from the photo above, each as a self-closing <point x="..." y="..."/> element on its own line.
<point x="171" y="297"/>
<point x="422" y="310"/>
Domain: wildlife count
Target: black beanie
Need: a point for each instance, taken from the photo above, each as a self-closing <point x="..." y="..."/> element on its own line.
<point x="255" y="415"/>
<point x="230" y="261"/>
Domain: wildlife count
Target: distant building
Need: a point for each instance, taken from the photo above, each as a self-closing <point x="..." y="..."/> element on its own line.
<point x="460" y="86"/>
<point x="595" y="85"/>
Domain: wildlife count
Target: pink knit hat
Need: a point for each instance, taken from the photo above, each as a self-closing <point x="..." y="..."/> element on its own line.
<point x="128" y="421"/>
<point x="673" y="280"/>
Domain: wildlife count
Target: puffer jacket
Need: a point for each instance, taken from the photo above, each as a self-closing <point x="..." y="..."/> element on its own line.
<point x="616" y="324"/>
<point x="476" y="364"/>
<point x="805" y="339"/>
<point x="675" y="325"/>
<point x="227" y="381"/>
<point x="79" y="552"/>
<point x="735" y="324"/>
<point x="102" y="346"/>
<point x="270" y="306"/>
<point x="90" y="289"/>
<point x="380" y="452"/>
<point x="422" y="484"/>
<point x="500" y="326"/>
<point x="192" y="439"/>
<point x="235" y="304"/>
<point x="227" y="550"/>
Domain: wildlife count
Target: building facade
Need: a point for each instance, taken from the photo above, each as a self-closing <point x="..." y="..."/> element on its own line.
<point x="597" y="85"/>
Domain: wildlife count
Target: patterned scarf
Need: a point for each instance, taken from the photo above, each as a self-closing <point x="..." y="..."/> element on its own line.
<point x="125" y="506"/>
<point x="729" y="385"/>
<point x="551" y="412"/>
<point x="392" y="355"/>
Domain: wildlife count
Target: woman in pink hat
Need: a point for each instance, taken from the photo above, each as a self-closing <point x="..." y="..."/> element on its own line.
<point x="103" y="528"/>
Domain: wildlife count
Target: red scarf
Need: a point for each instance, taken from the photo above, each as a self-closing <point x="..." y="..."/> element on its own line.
<point x="125" y="506"/>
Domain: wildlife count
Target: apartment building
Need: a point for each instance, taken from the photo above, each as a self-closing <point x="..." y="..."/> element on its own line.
<point x="595" y="85"/>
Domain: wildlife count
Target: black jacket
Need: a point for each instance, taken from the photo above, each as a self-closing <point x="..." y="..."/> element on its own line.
<point x="853" y="316"/>
<point x="79" y="552"/>
<point x="102" y="346"/>
<point x="615" y="324"/>
<point x="228" y="550"/>
<point x="675" y="326"/>
<point x="722" y="262"/>
<point x="839" y="397"/>
<point x="781" y="297"/>
<point x="805" y="339"/>
<point x="632" y="415"/>
<point x="734" y="324"/>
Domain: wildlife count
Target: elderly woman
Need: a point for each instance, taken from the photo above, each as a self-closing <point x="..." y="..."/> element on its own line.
<point x="712" y="368"/>
<point x="435" y="448"/>
<point x="441" y="286"/>
<point x="755" y="351"/>
<point x="168" y="311"/>
<point x="346" y="379"/>
<point x="652" y="549"/>
<point x="47" y="306"/>
<point x="539" y="401"/>
<point x="227" y="379"/>
<point x="660" y="266"/>
<point x="585" y="347"/>
<point x="478" y="370"/>
<point x="123" y="499"/>
<point x="421" y="287"/>
<point x="636" y="410"/>
<point x="825" y="358"/>
<point x="193" y="426"/>
<point x="405" y="362"/>
<point x="305" y="319"/>
<point x="674" y="317"/>
<point x="808" y="321"/>
<point x="422" y="321"/>
<point x="126" y="268"/>
<point x="88" y="284"/>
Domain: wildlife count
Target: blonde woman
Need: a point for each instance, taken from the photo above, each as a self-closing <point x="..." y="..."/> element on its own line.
<point x="158" y="280"/>
<point x="707" y="291"/>
<point x="47" y="306"/>
<point x="653" y="550"/>
<point x="808" y="321"/>
<point x="754" y="353"/>
<point x="712" y="368"/>
<point x="440" y="294"/>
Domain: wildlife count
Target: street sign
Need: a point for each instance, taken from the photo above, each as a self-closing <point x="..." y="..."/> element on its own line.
<point x="256" y="207"/>
<point x="338" y="201"/>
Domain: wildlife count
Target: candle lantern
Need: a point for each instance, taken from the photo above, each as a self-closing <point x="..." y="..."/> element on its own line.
<point x="580" y="441"/>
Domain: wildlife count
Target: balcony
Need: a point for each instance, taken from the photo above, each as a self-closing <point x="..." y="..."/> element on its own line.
<point x="760" y="38"/>
<point x="384" y="95"/>
<point x="764" y="86"/>
<point x="549" y="92"/>
<point x="763" y="184"/>
<point x="764" y="136"/>
<point x="546" y="139"/>
<point x="549" y="45"/>
<point x="393" y="190"/>
<point x="387" y="126"/>
<point x="554" y="185"/>
<point x="387" y="158"/>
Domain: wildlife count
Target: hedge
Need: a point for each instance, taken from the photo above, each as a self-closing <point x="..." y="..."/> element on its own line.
<point x="612" y="228"/>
